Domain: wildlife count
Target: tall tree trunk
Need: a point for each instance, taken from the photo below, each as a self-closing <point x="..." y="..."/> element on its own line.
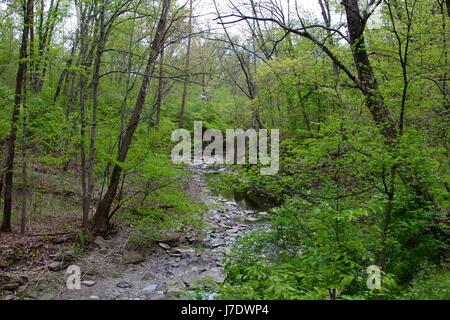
<point x="369" y="84"/>
<point x="23" y="214"/>
<point x="3" y="164"/>
<point x="104" y="207"/>
<point x="83" y="27"/>
<point x="160" y="89"/>
<point x="95" y="88"/>
<point x="20" y="78"/>
<point x="186" y="69"/>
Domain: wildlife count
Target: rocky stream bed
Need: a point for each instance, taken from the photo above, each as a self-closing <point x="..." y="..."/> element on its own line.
<point x="178" y="268"/>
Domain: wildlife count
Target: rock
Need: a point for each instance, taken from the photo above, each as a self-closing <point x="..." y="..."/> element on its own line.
<point x="57" y="265"/>
<point x="124" y="285"/>
<point x="88" y="283"/>
<point x="12" y="286"/>
<point x="251" y="219"/>
<point x="60" y="240"/>
<point x="9" y="297"/>
<point x="173" y="292"/>
<point x="165" y="246"/>
<point x="102" y="243"/>
<point x="183" y="252"/>
<point x="169" y="237"/>
<point x="249" y="211"/>
<point x="177" y="255"/>
<point x="93" y="297"/>
<point x="104" y="250"/>
<point x="133" y="257"/>
<point x="232" y="231"/>
<point x="150" y="288"/>
<point x="190" y="278"/>
<point x="215" y="274"/>
<point x="68" y="255"/>
<point x="159" y="295"/>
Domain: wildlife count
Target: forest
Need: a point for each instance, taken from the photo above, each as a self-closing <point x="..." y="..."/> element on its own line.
<point x="94" y="95"/>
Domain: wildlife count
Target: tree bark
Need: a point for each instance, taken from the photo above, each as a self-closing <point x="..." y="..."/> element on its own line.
<point x="95" y="89"/>
<point x="186" y="69"/>
<point x="11" y="145"/>
<point x="369" y="84"/>
<point x="104" y="207"/>
<point x="160" y="89"/>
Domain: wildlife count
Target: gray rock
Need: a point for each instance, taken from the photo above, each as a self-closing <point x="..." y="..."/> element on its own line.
<point x="232" y="231"/>
<point x="150" y="288"/>
<point x="133" y="257"/>
<point x="182" y="252"/>
<point x="165" y="246"/>
<point x="57" y="265"/>
<point x="68" y="255"/>
<point x="159" y="295"/>
<point x="190" y="278"/>
<point x="124" y="285"/>
<point x="88" y="283"/>
<point x="102" y="243"/>
<point x="173" y="292"/>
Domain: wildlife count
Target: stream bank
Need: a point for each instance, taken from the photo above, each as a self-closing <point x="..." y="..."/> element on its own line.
<point x="178" y="268"/>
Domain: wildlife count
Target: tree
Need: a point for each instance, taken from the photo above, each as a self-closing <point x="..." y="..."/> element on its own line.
<point x="102" y="214"/>
<point x="18" y="98"/>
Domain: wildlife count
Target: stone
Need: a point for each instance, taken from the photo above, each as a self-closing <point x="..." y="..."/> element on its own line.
<point x="173" y="292"/>
<point x="251" y="219"/>
<point x="9" y="297"/>
<point x="60" y="240"/>
<point x="159" y="295"/>
<point x="150" y="288"/>
<point x="232" y="231"/>
<point x="57" y="265"/>
<point x="165" y="246"/>
<point x="263" y="214"/>
<point x="133" y="257"/>
<point x="88" y="283"/>
<point x="12" y="286"/>
<point x="124" y="285"/>
<point x="170" y="237"/>
<point x="104" y="250"/>
<point x="190" y="278"/>
<point x="183" y="252"/>
<point x="93" y="297"/>
<point x="68" y="255"/>
<point x="215" y="274"/>
<point x="102" y="243"/>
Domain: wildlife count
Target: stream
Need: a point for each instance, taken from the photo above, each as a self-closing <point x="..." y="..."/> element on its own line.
<point x="189" y="267"/>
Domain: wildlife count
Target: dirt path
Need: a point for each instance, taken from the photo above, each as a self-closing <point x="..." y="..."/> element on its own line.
<point x="170" y="270"/>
